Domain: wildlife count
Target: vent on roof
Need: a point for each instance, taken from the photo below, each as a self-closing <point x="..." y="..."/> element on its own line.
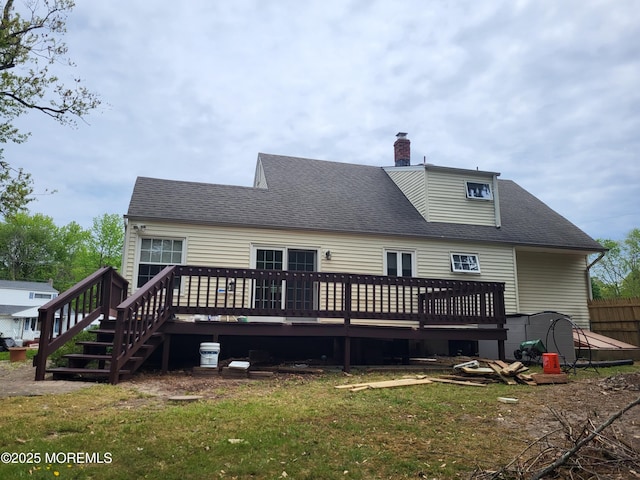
<point x="402" y="150"/>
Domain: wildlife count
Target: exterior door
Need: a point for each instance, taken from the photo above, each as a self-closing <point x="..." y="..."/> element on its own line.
<point x="293" y="294"/>
<point x="301" y="294"/>
<point x="268" y="293"/>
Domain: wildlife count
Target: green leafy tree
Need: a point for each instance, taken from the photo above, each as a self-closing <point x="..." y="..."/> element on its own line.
<point x="631" y="283"/>
<point x="106" y="241"/>
<point x="30" y="46"/>
<point x="28" y="247"/>
<point x="71" y="250"/>
<point x="33" y="248"/>
<point x="617" y="275"/>
<point x="15" y="188"/>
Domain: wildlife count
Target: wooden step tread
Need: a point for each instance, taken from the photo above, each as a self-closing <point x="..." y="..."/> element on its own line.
<point x="95" y="344"/>
<point x="102" y="331"/>
<point x="92" y="356"/>
<point x="108" y="344"/>
<point x="87" y="356"/>
<point x="86" y="371"/>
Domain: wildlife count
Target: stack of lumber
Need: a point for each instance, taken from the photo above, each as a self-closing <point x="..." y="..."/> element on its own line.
<point x="470" y="374"/>
<point x="509" y="373"/>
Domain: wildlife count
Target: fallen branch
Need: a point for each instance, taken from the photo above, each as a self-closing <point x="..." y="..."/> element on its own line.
<point x="569" y="453"/>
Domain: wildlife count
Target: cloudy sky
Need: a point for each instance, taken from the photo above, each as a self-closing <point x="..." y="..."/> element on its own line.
<point x="547" y="93"/>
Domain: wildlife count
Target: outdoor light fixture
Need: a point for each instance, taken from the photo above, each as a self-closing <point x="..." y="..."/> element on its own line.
<point x="327" y="254"/>
<point x="139" y="227"/>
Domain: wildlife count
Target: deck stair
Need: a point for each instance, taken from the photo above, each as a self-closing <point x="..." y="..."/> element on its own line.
<point x="94" y="363"/>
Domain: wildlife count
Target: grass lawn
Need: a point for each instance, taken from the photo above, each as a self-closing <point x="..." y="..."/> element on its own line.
<point x="291" y="427"/>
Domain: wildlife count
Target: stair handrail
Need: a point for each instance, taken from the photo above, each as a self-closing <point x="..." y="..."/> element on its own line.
<point x="76" y="308"/>
<point x="140" y="316"/>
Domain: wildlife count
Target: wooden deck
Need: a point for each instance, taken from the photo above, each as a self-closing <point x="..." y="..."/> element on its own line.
<point x="343" y="306"/>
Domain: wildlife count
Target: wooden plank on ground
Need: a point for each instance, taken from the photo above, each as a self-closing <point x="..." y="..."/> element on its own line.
<point x="498" y="369"/>
<point x="513" y="369"/>
<point x="260" y="374"/>
<point x="549" y="378"/>
<point x="402" y="382"/>
<point x="310" y="370"/>
<point x="477" y="371"/>
<point x="458" y="382"/>
<point x="462" y="378"/>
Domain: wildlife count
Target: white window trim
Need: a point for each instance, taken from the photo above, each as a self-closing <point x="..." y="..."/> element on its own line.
<point x="285" y="253"/>
<point x="472" y="197"/>
<point x="139" y="251"/>
<point x="453" y="263"/>
<point x="399" y="251"/>
<point x="285" y="262"/>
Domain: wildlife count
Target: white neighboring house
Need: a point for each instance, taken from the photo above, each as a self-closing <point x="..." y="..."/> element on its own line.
<point x="19" y="303"/>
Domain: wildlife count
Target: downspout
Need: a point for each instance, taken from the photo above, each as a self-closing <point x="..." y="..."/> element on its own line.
<point x="600" y="256"/>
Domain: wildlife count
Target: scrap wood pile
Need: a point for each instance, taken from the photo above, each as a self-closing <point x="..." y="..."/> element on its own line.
<point x="499" y="371"/>
<point x="470" y="374"/>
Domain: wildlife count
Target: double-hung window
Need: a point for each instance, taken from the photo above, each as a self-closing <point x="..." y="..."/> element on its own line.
<point x="400" y="263"/>
<point x="156" y="254"/>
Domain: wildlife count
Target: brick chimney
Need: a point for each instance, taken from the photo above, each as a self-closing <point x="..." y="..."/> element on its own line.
<point x="402" y="150"/>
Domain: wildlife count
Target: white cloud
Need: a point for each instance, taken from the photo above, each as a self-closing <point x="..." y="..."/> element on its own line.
<point x="544" y="92"/>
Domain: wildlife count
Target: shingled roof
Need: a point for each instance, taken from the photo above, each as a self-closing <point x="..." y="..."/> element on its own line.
<point x="306" y="194"/>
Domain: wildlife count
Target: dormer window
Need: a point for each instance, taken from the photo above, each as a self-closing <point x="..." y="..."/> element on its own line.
<point x="479" y="191"/>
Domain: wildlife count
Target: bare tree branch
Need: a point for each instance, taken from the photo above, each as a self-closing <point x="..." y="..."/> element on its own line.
<point x="569" y="453"/>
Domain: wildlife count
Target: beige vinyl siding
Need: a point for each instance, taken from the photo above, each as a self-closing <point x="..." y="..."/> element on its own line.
<point x="412" y="183"/>
<point x="233" y="246"/>
<point x="448" y="202"/>
<point x="496" y="265"/>
<point x="554" y="282"/>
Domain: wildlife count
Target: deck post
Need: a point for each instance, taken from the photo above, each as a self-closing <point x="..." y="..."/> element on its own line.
<point x="501" y="351"/>
<point x="40" y="360"/>
<point x="166" y="346"/>
<point x="347" y="322"/>
<point x="347" y="353"/>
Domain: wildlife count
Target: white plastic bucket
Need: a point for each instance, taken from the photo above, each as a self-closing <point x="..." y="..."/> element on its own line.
<point x="209" y="354"/>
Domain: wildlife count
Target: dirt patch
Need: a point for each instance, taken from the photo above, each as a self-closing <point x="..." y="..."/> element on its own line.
<point x="17" y="380"/>
<point x="581" y="401"/>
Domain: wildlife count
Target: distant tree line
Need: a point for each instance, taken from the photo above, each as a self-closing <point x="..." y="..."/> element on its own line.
<point x="33" y="248"/>
<point x="617" y="274"/>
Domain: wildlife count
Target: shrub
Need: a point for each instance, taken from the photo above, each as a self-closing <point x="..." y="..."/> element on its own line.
<point x="57" y="358"/>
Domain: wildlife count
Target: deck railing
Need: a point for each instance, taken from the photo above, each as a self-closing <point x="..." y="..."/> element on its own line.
<point x="277" y="293"/>
<point x="74" y="310"/>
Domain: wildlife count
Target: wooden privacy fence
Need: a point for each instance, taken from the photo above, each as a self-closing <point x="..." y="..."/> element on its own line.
<point x="617" y="318"/>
